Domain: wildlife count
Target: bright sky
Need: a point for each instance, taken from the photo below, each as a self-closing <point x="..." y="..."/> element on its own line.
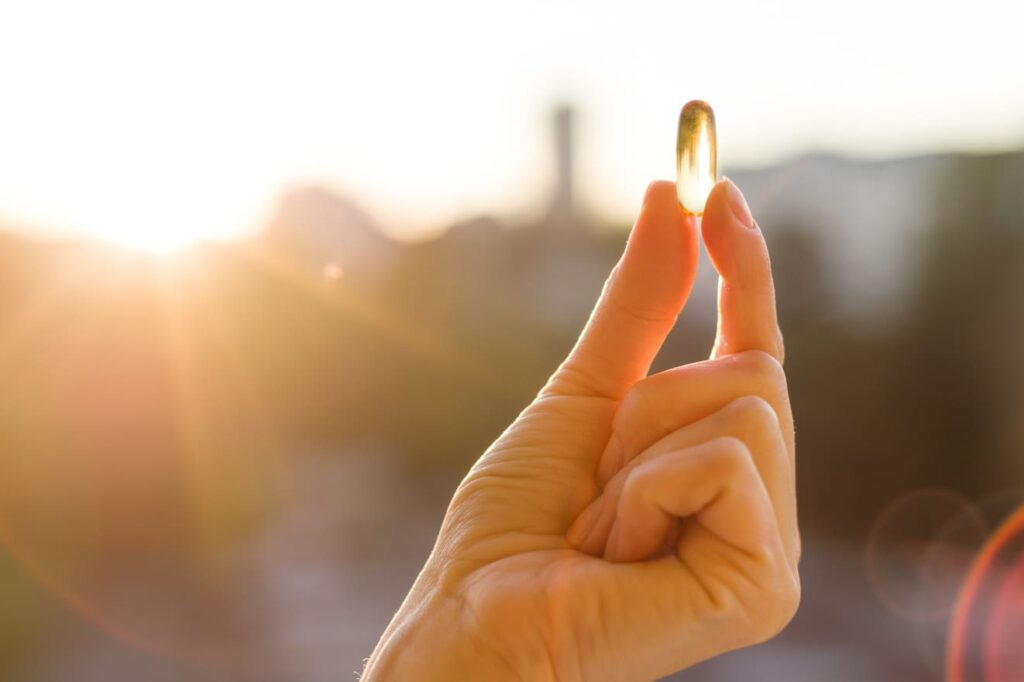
<point x="117" y="119"/>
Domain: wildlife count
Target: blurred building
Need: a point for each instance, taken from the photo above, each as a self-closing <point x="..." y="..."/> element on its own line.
<point x="318" y="228"/>
<point x="873" y="220"/>
<point x="563" y="210"/>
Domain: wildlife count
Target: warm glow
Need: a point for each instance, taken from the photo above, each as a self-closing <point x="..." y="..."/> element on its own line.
<point x="163" y="125"/>
<point x="154" y="240"/>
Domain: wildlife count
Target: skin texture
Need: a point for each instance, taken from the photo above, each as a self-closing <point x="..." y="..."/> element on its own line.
<point x="626" y="526"/>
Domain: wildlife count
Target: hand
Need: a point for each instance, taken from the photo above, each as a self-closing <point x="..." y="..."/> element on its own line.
<point x="625" y="526"/>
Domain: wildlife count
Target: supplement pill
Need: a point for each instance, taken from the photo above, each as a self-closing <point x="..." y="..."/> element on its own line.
<point x="696" y="156"/>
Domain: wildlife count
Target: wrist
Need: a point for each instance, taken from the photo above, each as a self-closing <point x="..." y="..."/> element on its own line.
<point x="428" y="639"/>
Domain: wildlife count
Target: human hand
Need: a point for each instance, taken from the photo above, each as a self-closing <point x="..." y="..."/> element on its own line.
<point x="625" y="526"/>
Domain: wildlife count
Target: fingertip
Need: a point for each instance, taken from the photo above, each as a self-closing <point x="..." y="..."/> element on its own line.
<point x="737" y="249"/>
<point x="731" y="235"/>
<point x="659" y="265"/>
<point x="662" y="219"/>
<point x="738" y="203"/>
<point x="658" y="191"/>
<point x="661" y="207"/>
<point x="640" y="302"/>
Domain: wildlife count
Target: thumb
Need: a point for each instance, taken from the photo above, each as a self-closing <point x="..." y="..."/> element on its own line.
<point x="746" y="294"/>
<point x="639" y="304"/>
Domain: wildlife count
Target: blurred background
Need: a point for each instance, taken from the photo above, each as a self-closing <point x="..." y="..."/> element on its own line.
<point x="273" y="276"/>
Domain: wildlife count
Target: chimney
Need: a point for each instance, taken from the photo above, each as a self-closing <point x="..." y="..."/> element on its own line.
<point x="562" y="208"/>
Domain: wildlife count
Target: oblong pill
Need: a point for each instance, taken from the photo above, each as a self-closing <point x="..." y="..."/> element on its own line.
<point x="696" y="156"/>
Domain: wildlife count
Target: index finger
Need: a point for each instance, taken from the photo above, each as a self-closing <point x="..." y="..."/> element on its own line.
<point x="747" y="319"/>
<point x="639" y="304"/>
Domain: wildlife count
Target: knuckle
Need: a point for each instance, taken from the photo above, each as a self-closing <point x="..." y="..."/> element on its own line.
<point x="574" y="378"/>
<point x="640" y="405"/>
<point x="756" y="419"/>
<point x="734" y="454"/>
<point x="766" y="370"/>
<point x="762" y="363"/>
<point x="636" y="485"/>
<point x="780" y="346"/>
<point x="639" y="313"/>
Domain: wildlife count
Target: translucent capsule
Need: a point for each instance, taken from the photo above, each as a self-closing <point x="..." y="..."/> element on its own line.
<point x="696" y="156"/>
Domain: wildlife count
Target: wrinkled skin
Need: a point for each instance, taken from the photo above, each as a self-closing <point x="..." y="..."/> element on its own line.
<point x="626" y="526"/>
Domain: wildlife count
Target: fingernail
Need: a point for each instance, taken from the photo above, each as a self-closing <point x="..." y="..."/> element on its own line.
<point x="739" y="204"/>
<point x="580" y="530"/>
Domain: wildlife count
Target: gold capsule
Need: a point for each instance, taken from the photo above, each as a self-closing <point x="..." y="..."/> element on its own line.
<point x="696" y="156"/>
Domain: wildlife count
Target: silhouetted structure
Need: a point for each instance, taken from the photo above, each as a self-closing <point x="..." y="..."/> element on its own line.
<point x="563" y="209"/>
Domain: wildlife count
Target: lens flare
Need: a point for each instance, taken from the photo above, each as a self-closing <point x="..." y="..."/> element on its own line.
<point x="918" y="551"/>
<point x="987" y="626"/>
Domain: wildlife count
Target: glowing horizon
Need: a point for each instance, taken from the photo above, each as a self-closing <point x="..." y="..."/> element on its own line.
<point x="194" y="119"/>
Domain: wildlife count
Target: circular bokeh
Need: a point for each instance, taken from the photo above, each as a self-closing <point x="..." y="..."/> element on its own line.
<point x="918" y="551"/>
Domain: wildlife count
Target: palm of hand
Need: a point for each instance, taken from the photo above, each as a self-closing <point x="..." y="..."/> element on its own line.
<point x="563" y="613"/>
<point x="553" y="548"/>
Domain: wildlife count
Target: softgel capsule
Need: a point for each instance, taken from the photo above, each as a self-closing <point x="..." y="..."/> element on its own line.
<point x="696" y="156"/>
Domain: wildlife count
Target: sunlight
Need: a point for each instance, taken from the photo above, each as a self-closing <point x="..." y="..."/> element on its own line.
<point x="154" y="241"/>
<point x="230" y="122"/>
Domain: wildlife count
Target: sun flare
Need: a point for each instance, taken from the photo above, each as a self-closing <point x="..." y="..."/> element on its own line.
<point x="152" y="241"/>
